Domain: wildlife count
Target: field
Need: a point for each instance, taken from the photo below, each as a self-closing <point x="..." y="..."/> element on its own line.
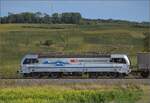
<point x="73" y="93"/>
<point x="17" y="40"/>
<point x="49" y="94"/>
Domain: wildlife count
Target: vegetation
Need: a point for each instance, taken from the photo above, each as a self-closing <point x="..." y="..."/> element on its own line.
<point x="48" y="42"/>
<point x="69" y="94"/>
<point x="147" y="41"/>
<point x="38" y="17"/>
<point x="66" y="32"/>
<point x="62" y="18"/>
<point x="49" y="33"/>
<point x="16" y="40"/>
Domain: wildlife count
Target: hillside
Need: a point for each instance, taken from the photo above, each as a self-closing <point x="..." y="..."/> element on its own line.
<point x="19" y="39"/>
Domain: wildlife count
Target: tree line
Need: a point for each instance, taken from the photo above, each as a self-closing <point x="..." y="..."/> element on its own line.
<point x="38" y="17"/>
<point x="61" y="18"/>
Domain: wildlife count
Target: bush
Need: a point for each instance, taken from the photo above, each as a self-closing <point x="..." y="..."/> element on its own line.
<point x="48" y="43"/>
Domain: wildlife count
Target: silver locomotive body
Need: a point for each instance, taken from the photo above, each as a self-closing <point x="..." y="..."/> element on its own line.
<point x="36" y="63"/>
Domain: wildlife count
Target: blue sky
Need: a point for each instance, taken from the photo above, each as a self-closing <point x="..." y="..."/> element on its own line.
<point x="133" y="10"/>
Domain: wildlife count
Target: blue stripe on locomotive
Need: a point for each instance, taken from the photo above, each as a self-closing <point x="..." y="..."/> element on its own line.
<point x="57" y="63"/>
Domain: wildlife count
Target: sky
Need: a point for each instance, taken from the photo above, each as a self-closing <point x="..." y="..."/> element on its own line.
<point x="132" y="10"/>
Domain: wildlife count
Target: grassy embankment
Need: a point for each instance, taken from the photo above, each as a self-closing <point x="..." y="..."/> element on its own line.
<point x="74" y="93"/>
<point x="34" y="91"/>
<point x="19" y="39"/>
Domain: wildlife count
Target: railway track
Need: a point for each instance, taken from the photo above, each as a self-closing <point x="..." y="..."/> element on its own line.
<point x="31" y="82"/>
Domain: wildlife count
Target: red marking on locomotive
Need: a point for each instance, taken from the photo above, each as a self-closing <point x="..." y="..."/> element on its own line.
<point x="74" y="61"/>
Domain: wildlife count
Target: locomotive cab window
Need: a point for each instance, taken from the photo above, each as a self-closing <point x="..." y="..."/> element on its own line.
<point x="118" y="60"/>
<point x="30" y="61"/>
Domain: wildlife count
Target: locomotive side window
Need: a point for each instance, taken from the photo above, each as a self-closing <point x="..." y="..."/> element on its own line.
<point x="118" y="60"/>
<point x="34" y="61"/>
<point x="30" y="61"/>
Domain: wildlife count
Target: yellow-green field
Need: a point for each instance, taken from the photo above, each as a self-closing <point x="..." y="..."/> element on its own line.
<point x="39" y="91"/>
<point x="73" y="94"/>
<point x="19" y="39"/>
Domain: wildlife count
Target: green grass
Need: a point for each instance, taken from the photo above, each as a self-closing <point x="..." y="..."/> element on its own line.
<point x="62" y="94"/>
<point x="19" y="39"/>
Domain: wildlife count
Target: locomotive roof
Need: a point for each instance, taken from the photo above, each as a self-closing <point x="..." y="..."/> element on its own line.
<point x="62" y="55"/>
<point x="73" y="55"/>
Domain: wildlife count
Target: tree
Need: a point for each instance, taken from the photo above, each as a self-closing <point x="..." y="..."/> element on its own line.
<point x="47" y="19"/>
<point x="71" y="18"/>
<point x="19" y="18"/>
<point x="66" y="18"/>
<point x="56" y="18"/>
<point x="28" y="17"/>
<point x="76" y="17"/>
<point x="11" y="18"/>
<point x="4" y="20"/>
<point x="38" y="17"/>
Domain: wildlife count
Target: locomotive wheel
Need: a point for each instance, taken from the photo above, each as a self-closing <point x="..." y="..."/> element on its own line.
<point x="93" y="75"/>
<point x="54" y="75"/>
<point x="122" y="75"/>
<point x="26" y="75"/>
<point x="145" y="74"/>
<point x="35" y="75"/>
<point x="114" y="75"/>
